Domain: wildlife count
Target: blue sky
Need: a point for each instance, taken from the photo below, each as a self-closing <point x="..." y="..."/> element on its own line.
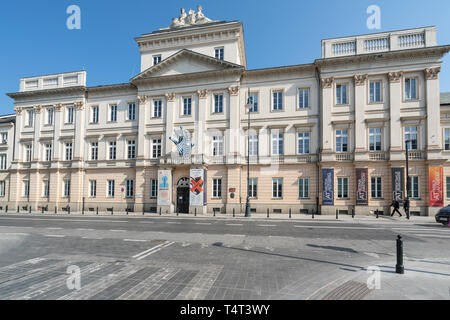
<point x="36" y="41"/>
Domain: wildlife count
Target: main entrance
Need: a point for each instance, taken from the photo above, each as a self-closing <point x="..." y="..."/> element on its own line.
<point x="183" y="195"/>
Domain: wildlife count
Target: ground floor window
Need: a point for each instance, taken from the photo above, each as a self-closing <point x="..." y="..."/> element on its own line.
<point x="46" y="189"/>
<point x="111" y="185"/>
<point x="66" y="188"/>
<point x="130" y="188"/>
<point x="2" y="188"/>
<point x="26" y="188"/>
<point x="153" y="188"/>
<point x="376" y="187"/>
<point x="253" y="188"/>
<point x="413" y="191"/>
<point x="217" y="188"/>
<point x="342" y="188"/>
<point x="448" y="187"/>
<point x="277" y="188"/>
<point x="303" y="188"/>
<point x="93" y="188"/>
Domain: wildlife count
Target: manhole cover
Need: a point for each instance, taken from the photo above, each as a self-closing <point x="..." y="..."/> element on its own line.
<point x="351" y="290"/>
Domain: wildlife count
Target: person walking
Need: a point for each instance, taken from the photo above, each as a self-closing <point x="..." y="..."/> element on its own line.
<point x="406" y="207"/>
<point x="396" y="206"/>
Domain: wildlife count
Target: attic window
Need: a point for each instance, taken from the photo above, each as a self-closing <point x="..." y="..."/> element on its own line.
<point x="219" y="53"/>
<point x="156" y="59"/>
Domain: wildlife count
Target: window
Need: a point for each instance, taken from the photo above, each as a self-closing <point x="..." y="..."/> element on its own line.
<point x="253" y="99"/>
<point x="94" y="151"/>
<point x="131" y="149"/>
<point x="157" y="109"/>
<point x="277" y="144"/>
<point x="341" y="94"/>
<point x="303" y="142"/>
<point x="131" y="111"/>
<point x="447" y="139"/>
<point x="50" y="113"/>
<point x="253" y="145"/>
<point x="341" y="140"/>
<point x="2" y="188"/>
<point x="28" y="149"/>
<point x="413" y="191"/>
<point x="303" y="188"/>
<point x="130" y="188"/>
<point x="277" y="100"/>
<point x="92" y="188"/>
<point x="218" y="52"/>
<point x="156" y="59"/>
<point x="30" y="116"/>
<point x="68" y="151"/>
<point x="48" y="152"/>
<point x="375" y="139"/>
<point x="218" y="103"/>
<point x="277" y="188"/>
<point x="70" y="112"/>
<point x="113" y="113"/>
<point x="411" y="137"/>
<point x="448" y="187"/>
<point x="303" y="98"/>
<point x="253" y="188"/>
<point x="153" y="188"/>
<point x="66" y="188"/>
<point x="94" y="114"/>
<point x="187" y="106"/>
<point x="217" y="146"/>
<point x="217" y="188"/>
<point x="375" y="91"/>
<point x="156" y="148"/>
<point x="26" y="188"/>
<point x="46" y="189"/>
<point x="376" y="186"/>
<point x="3" y="162"/>
<point x="410" y="88"/>
<point x="342" y="188"/>
<point x="112" y="150"/>
<point x="4" y="138"/>
<point x="111" y="186"/>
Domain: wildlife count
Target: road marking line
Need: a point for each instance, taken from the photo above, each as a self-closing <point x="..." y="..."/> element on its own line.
<point x="118" y="230"/>
<point x="328" y="227"/>
<point x="266" y="225"/>
<point x="135" y="240"/>
<point x="17" y="234"/>
<point x="154" y="251"/>
<point x="64" y="218"/>
<point x="327" y="285"/>
<point x="91" y="238"/>
<point x="83" y="229"/>
<point x="372" y="254"/>
<point x="423" y="230"/>
<point x="55" y="235"/>
<point x="173" y="222"/>
<point x="148" y="250"/>
<point x="431" y="236"/>
<point x="234" y="224"/>
<point x="205" y="223"/>
<point x="54" y="228"/>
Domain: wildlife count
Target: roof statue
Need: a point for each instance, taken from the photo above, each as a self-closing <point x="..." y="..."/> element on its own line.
<point x="185" y="20"/>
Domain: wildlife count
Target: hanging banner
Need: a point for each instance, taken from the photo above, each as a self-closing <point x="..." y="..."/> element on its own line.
<point x="398" y="183"/>
<point x="328" y="187"/>
<point x="362" y="187"/>
<point x="164" y="187"/>
<point x="197" y="187"/>
<point x="436" y="186"/>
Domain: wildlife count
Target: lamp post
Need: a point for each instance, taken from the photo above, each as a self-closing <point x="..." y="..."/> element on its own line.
<point x="407" y="140"/>
<point x="248" y="107"/>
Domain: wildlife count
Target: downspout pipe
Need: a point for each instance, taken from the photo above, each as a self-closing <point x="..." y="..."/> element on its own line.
<point x="319" y="145"/>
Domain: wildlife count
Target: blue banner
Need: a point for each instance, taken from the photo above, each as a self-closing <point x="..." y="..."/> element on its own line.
<point x="328" y="187"/>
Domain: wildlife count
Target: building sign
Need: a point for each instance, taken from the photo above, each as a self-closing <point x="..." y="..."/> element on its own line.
<point x="436" y="186"/>
<point x="197" y="187"/>
<point x="362" y="187"/>
<point x="328" y="187"/>
<point x="164" y="187"/>
<point x="398" y="183"/>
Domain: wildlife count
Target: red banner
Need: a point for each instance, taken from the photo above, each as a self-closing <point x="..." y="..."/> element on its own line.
<point x="436" y="186"/>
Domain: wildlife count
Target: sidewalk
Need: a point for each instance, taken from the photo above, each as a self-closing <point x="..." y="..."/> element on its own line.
<point x="254" y="216"/>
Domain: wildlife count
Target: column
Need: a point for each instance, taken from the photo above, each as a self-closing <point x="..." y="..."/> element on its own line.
<point x="433" y="136"/>
<point x="143" y="100"/>
<point x="170" y="114"/>
<point x="233" y="133"/>
<point x="19" y="124"/>
<point x="327" y="106"/>
<point x="200" y="119"/>
<point x="57" y="121"/>
<point x="37" y="130"/>
<point x="360" y="127"/>
<point x="395" y="102"/>
<point x="79" y="131"/>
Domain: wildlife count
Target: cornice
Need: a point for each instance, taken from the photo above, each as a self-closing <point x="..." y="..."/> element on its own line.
<point x="57" y="91"/>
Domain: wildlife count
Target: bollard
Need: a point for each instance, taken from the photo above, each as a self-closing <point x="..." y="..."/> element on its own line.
<point x="289" y="213"/>
<point x="68" y="211"/>
<point x="195" y="212"/>
<point x="112" y="211"/>
<point x="160" y="211"/>
<point x="42" y="208"/>
<point x="96" y="210"/>
<point x="233" y="213"/>
<point x="376" y="213"/>
<point x="18" y="209"/>
<point x="337" y="214"/>
<point x="177" y="213"/>
<point x="6" y="209"/>
<point x="56" y="210"/>
<point x="267" y="212"/>
<point x="126" y="210"/>
<point x="29" y="210"/>
<point x="399" y="267"/>
<point x="313" y="214"/>
<point x="353" y="213"/>
<point x="214" y="212"/>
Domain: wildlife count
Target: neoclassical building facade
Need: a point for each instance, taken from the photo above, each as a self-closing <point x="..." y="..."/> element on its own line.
<point x="323" y="136"/>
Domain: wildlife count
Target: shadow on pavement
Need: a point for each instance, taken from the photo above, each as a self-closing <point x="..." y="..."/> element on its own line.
<point x="333" y="248"/>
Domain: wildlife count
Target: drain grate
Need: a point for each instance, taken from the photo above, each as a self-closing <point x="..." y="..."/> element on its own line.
<point x="350" y="290"/>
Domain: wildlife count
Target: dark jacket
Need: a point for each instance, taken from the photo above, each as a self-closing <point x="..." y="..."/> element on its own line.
<point x="396" y="204"/>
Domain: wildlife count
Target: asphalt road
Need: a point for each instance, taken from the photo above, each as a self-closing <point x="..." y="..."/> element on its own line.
<point x="198" y="258"/>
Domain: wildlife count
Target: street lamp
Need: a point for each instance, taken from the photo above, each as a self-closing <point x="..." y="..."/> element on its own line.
<point x="248" y="107"/>
<point x="407" y="141"/>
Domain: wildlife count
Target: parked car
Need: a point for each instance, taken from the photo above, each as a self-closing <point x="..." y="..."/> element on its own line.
<point x="443" y="216"/>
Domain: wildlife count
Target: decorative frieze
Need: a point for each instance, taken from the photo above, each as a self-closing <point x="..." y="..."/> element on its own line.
<point x="432" y="73"/>
<point x="395" y="76"/>
<point x="327" y="82"/>
<point x="202" y="94"/>
<point x="234" y="91"/>
<point x="360" y="79"/>
<point x="170" y="96"/>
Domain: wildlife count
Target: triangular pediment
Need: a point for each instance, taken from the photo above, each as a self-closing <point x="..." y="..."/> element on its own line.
<point x="186" y="62"/>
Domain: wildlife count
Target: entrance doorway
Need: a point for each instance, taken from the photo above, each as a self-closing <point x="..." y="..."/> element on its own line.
<point x="183" y="195"/>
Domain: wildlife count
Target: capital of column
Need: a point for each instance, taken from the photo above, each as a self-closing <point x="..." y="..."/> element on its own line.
<point x="360" y="79"/>
<point x="234" y="91"/>
<point x="18" y="110"/>
<point x="143" y="99"/>
<point x="395" y="76"/>
<point x="327" y="82"/>
<point x="202" y="94"/>
<point x="79" y="105"/>
<point x="37" y="109"/>
<point x="432" y="73"/>
<point x="58" y="107"/>
<point x="170" y="96"/>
